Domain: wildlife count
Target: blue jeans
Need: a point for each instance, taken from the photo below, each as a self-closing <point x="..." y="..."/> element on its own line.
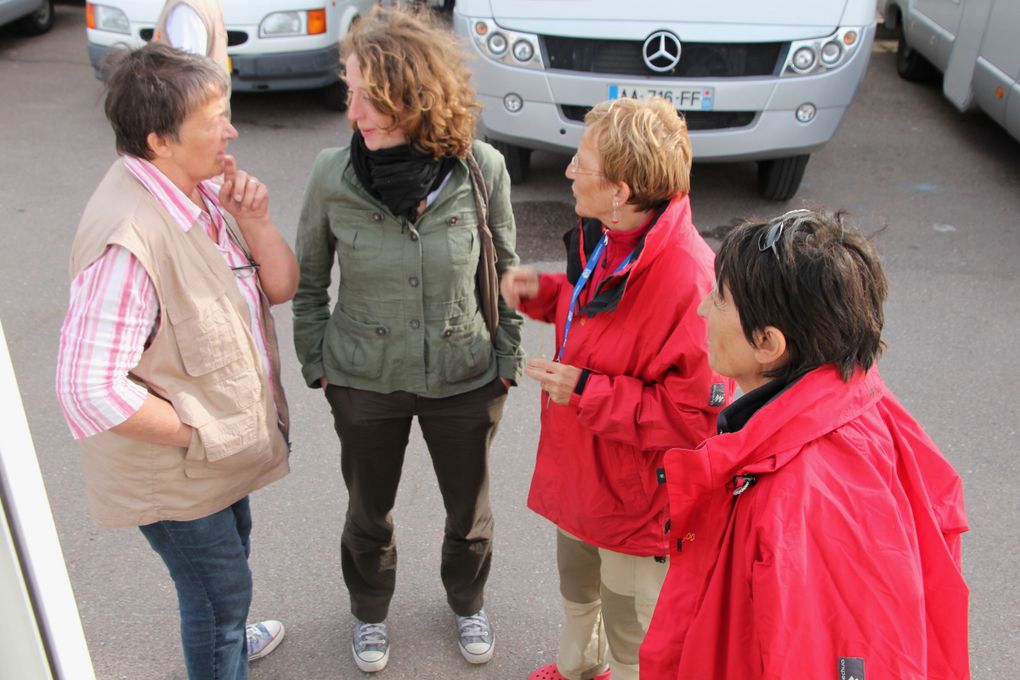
<point x="208" y="562"/>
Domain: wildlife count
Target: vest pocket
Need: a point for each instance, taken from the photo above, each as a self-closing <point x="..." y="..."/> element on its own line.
<point x="230" y="444"/>
<point x="207" y="339"/>
<point x="221" y="380"/>
<point x="465" y="350"/>
<point x="353" y="347"/>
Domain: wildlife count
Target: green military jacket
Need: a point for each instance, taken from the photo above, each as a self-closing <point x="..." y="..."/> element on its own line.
<point x="407" y="315"/>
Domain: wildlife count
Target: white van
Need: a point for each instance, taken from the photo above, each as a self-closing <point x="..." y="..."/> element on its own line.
<point x="278" y="45"/>
<point x="972" y="43"/>
<point x="757" y="81"/>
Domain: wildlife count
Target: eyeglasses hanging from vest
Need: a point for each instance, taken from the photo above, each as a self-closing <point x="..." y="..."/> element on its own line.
<point x="246" y="270"/>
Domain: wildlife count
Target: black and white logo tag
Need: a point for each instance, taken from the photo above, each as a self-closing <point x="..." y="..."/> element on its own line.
<point x="718" y="395"/>
<point x="851" y="668"/>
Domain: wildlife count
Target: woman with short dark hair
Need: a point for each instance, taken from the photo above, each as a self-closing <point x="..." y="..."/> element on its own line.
<point x="818" y="535"/>
<point x="408" y="337"/>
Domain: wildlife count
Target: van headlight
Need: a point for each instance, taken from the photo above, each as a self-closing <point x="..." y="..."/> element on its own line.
<point x="286" y="24"/>
<point x="803" y="59"/>
<point x="105" y="18"/>
<point x="822" y="54"/>
<point x="496" y="44"/>
<point x="507" y="47"/>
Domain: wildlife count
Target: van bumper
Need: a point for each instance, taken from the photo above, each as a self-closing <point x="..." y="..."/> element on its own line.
<point x="303" y="70"/>
<point x="286" y="71"/>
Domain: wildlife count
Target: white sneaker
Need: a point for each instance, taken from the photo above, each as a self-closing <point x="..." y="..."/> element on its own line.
<point x="371" y="646"/>
<point x="263" y="638"/>
<point x="475" y="637"/>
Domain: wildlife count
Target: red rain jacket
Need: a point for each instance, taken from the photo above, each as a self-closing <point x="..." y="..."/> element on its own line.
<point x="650" y="386"/>
<point x="844" y="554"/>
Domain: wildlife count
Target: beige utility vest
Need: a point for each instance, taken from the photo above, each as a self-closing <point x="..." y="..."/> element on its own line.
<point x="203" y="361"/>
<point x="211" y="14"/>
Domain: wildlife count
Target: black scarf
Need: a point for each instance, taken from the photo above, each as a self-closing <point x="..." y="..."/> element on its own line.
<point x="400" y="176"/>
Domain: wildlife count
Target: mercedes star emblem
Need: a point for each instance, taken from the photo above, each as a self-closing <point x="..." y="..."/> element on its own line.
<point x="661" y="51"/>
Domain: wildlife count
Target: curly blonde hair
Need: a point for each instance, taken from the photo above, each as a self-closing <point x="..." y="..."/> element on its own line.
<point x="644" y="143"/>
<point x="414" y="72"/>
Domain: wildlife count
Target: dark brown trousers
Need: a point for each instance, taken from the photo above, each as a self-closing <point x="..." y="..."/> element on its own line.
<point x="373" y="430"/>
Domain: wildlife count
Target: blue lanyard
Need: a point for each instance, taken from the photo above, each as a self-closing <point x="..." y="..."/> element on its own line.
<point x="582" y="281"/>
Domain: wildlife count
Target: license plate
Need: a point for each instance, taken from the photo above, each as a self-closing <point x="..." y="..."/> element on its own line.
<point x="682" y="98"/>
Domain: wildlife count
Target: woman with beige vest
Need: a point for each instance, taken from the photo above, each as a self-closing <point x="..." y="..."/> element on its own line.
<point x="169" y="372"/>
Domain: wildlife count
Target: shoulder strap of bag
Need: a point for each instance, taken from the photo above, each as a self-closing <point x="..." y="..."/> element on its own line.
<point x="488" y="279"/>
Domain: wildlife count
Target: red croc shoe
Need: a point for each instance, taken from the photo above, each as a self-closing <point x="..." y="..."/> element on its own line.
<point x="550" y="672"/>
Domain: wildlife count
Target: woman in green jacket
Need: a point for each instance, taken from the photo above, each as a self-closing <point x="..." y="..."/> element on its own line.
<point x="407" y="336"/>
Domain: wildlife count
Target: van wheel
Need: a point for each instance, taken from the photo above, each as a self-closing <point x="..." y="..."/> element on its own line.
<point x="335" y="96"/>
<point x="779" y="179"/>
<point x="38" y="21"/>
<point x="911" y="65"/>
<point x="518" y="160"/>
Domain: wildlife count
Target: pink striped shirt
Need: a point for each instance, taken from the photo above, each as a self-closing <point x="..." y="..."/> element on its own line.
<point x="114" y="311"/>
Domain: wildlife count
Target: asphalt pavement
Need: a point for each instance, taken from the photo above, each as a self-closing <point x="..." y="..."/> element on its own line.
<point x="940" y="191"/>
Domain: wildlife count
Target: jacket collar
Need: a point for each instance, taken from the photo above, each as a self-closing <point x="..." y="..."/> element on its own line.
<point x="671" y="222"/>
<point x="815" y="405"/>
<point x="735" y="416"/>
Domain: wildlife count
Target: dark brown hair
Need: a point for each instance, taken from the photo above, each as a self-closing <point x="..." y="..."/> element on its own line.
<point x="153" y="89"/>
<point x="414" y="72"/>
<point x="816" y="278"/>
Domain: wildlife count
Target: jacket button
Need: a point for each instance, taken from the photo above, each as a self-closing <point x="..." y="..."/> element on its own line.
<point x="380" y="331"/>
<point x="453" y="220"/>
<point x="413" y="281"/>
<point x="447" y="333"/>
<point x="376" y="217"/>
<point x="414" y="236"/>
<point x="415" y="323"/>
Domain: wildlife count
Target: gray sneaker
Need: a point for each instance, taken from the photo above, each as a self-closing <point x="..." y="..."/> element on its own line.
<point x="475" y="637"/>
<point x="371" y="646"/>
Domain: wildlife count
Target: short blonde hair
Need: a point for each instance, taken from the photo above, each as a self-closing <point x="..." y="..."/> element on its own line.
<point x="644" y="143"/>
<point x="414" y="71"/>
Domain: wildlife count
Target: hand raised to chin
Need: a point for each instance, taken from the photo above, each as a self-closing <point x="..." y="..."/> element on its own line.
<point x="242" y="195"/>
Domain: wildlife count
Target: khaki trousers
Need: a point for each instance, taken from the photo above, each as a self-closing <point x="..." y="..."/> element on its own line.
<point x="608" y="599"/>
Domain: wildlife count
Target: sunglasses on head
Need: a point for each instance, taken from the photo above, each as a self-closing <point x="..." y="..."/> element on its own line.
<point x="770" y="237"/>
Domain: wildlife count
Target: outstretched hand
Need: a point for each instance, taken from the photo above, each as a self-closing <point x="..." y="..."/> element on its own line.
<point x="518" y="283"/>
<point x="242" y="195"/>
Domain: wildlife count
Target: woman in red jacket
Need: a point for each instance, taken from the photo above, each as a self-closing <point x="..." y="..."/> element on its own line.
<point x="818" y="536"/>
<point x="630" y="378"/>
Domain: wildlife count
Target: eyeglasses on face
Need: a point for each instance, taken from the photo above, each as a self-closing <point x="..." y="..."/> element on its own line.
<point x="769" y="238"/>
<point x="575" y="168"/>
